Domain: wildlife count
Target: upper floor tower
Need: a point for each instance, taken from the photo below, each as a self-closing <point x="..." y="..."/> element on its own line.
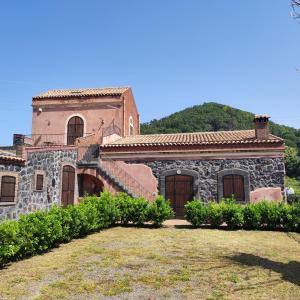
<point x="62" y="116"/>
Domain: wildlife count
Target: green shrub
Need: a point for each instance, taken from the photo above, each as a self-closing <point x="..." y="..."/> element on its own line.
<point x="296" y="216"/>
<point x="290" y="217"/>
<point x="42" y="230"/>
<point x="252" y="216"/>
<point x="65" y="219"/>
<point x="139" y="208"/>
<point x="196" y="212"/>
<point x="159" y="211"/>
<point x="9" y="241"/>
<point x="39" y="231"/>
<point x="132" y="210"/>
<point x="124" y="205"/>
<point x="295" y="198"/>
<point x="270" y="214"/>
<point x="214" y="214"/>
<point x="107" y="209"/>
<point x="232" y="213"/>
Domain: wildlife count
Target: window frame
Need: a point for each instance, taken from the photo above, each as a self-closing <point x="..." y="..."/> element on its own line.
<point x="232" y="178"/>
<point x="39" y="173"/>
<point x="16" y="176"/>
<point x="131" y="126"/>
<point x="246" y="176"/>
<point x="67" y="123"/>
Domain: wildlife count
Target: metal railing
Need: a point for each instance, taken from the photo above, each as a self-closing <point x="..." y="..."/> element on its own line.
<point x="45" y="140"/>
<point x="38" y="140"/>
<point x="133" y="186"/>
<point x="112" y="129"/>
<point x="88" y="154"/>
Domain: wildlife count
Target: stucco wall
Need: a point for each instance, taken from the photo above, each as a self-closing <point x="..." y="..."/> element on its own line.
<point x="263" y="172"/>
<point x="50" y="164"/>
<point x="55" y="113"/>
<point x="131" y="110"/>
<point x="53" y="119"/>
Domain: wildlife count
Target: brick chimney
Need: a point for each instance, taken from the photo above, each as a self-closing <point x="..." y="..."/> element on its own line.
<point x="261" y="125"/>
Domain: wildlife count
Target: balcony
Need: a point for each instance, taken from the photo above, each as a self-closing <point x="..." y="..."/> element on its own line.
<point x="43" y="140"/>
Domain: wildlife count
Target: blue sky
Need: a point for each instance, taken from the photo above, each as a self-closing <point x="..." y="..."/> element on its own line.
<point x="173" y="53"/>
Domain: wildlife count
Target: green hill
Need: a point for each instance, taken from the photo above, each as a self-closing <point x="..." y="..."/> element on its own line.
<point x="214" y="117"/>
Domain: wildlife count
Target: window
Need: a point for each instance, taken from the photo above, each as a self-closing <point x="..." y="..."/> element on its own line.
<point x="8" y="189"/>
<point x="131" y="127"/>
<point x="75" y="130"/>
<point x="233" y="185"/>
<point x="39" y="182"/>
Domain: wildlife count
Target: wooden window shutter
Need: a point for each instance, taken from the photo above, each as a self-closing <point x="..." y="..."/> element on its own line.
<point x="75" y="130"/>
<point x="8" y="189"/>
<point x="233" y="185"/>
<point x="39" y="182"/>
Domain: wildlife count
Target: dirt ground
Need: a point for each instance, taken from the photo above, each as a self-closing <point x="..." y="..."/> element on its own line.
<point x="166" y="263"/>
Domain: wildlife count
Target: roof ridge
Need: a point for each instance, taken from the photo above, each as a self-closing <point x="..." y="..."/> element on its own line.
<point x="91" y="88"/>
<point x="190" y="133"/>
<point x="61" y="93"/>
<point x="194" y="138"/>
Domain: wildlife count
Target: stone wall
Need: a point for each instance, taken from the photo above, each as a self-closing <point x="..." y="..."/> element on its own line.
<point x="263" y="172"/>
<point x="48" y="163"/>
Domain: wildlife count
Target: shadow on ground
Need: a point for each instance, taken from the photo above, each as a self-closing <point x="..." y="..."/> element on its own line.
<point x="289" y="271"/>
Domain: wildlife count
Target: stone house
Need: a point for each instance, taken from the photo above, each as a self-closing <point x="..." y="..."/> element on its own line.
<point x="88" y="140"/>
<point x="248" y="164"/>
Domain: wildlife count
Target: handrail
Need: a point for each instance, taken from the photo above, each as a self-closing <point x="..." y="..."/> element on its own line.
<point x="130" y="183"/>
<point x="112" y="129"/>
<point x="48" y="139"/>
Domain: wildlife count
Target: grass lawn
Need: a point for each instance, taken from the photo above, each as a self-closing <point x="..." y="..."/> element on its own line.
<point x="166" y="263"/>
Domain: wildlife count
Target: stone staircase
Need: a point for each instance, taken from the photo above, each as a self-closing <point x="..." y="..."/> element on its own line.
<point x="88" y="156"/>
<point x="123" y="179"/>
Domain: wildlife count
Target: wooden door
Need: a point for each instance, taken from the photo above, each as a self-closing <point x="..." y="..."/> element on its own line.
<point x="75" y="130"/>
<point x="179" y="190"/>
<point x="233" y="185"/>
<point x="68" y="186"/>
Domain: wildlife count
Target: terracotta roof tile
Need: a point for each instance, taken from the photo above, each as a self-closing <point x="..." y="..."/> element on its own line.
<point x="195" y="138"/>
<point x="7" y="156"/>
<point x="108" y="91"/>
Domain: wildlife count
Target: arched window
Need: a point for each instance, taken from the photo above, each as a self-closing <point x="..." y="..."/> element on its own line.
<point x="75" y="129"/>
<point x="131" y="127"/>
<point x="233" y="185"/>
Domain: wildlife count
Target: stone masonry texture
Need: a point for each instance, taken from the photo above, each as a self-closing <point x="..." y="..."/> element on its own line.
<point x="50" y="164"/>
<point x="263" y="172"/>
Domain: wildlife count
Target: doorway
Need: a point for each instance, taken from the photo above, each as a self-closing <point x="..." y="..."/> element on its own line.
<point x="179" y="190"/>
<point x="68" y="186"/>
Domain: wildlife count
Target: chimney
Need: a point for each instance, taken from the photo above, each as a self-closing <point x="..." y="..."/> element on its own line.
<point x="261" y="125"/>
<point x="18" y="142"/>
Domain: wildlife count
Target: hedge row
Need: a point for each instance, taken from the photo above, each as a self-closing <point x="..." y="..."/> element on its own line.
<point x="42" y="230"/>
<point x="262" y="215"/>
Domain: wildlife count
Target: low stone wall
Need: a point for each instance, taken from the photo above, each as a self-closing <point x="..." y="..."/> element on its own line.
<point x="48" y="163"/>
<point x="263" y="172"/>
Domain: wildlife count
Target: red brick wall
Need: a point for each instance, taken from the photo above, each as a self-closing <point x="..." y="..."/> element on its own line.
<point x="131" y="110"/>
